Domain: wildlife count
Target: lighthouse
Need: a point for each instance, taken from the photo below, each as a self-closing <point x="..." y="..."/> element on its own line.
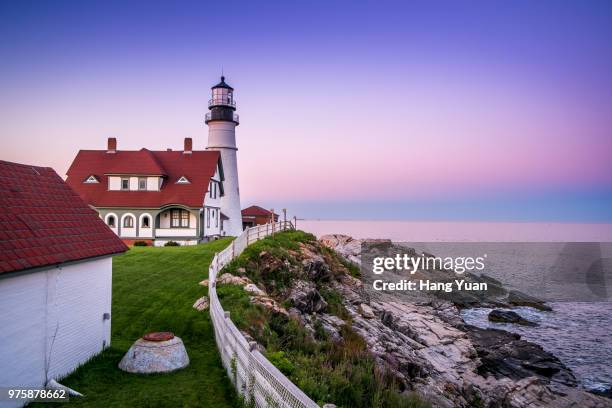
<point x="222" y="121"/>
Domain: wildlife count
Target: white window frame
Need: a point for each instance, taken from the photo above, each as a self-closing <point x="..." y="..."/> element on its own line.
<point x="91" y="180"/>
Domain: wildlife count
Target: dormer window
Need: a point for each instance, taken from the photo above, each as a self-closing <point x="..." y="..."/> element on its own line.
<point x="125" y="183"/>
<point x="91" y="180"/>
<point x="182" y="180"/>
<point x="142" y="183"/>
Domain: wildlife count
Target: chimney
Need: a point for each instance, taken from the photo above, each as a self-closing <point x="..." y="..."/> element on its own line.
<point x="188" y="146"/>
<point x="112" y="145"/>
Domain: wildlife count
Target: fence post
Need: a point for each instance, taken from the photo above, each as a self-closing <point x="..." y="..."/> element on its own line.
<point x="295" y="221"/>
<point x="233" y="248"/>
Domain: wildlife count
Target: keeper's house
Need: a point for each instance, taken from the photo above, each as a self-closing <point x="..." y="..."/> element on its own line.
<point x="256" y="215"/>
<point x="55" y="278"/>
<point x="153" y="196"/>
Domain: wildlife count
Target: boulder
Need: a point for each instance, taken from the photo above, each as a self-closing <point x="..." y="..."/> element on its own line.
<point x="254" y="290"/>
<point x="159" y="352"/>
<point x="366" y="311"/>
<point x="346" y="246"/>
<point x="314" y="264"/>
<point x="508" y="316"/>
<point x="229" y="279"/>
<point x="201" y="303"/>
<point x="517" y="298"/>
<point x="269" y="304"/>
<point x="306" y="298"/>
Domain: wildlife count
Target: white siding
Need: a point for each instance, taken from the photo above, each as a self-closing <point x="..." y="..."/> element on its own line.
<point x="222" y="137"/>
<point x="175" y="232"/>
<point x="153" y="183"/>
<point x="114" y="183"/>
<point x="67" y="303"/>
<point x="214" y="228"/>
<point x="134" y="183"/>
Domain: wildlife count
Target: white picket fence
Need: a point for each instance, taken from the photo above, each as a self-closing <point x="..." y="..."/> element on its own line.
<point x="253" y="376"/>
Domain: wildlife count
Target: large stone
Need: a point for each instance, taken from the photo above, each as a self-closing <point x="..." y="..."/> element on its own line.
<point x="306" y="298"/>
<point x="346" y="246"/>
<point x="151" y="356"/>
<point x="517" y="298"/>
<point x="201" y="303"/>
<point x="229" y="279"/>
<point x="508" y="316"/>
<point x="254" y="290"/>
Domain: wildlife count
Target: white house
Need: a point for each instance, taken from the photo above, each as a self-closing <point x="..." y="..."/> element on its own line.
<point x="153" y="196"/>
<point x="55" y="278"/>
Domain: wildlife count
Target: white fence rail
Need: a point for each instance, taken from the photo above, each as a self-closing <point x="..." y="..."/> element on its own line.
<point x="253" y="376"/>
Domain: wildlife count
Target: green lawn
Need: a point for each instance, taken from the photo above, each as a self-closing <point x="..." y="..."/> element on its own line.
<point x="154" y="290"/>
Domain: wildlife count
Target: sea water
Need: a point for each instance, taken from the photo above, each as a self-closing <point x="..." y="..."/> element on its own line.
<point x="579" y="333"/>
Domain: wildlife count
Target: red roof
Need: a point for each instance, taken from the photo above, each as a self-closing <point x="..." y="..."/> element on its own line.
<point x="198" y="167"/>
<point x="256" y="211"/>
<point x="43" y="222"/>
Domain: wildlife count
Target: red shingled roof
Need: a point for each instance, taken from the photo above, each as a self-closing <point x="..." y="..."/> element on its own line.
<point x="198" y="167"/>
<point x="43" y="222"/>
<point x="256" y="211"/>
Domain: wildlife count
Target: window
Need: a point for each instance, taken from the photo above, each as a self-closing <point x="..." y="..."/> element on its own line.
<point x="216" y="217"/>
<point x="125" y="183"/>
<point x="208" y="217"/>
<point x="128" y="222"/>
<point x="146" y="222"/>
<point x="91" y="179"/>
<point x="182" y="180"/>
<point x="212" y="188"/>
<point x="111" y="221"/>
<point x="142" y="183"/>
<point x="180" y="219"/>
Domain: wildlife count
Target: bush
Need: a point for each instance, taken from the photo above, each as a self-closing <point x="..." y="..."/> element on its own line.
<point x="172" y="243"/>
<point x="140" y="243"/>
<point x="281" y="362"/>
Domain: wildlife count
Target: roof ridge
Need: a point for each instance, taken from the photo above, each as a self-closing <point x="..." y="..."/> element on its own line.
<point x="157" y="163"/>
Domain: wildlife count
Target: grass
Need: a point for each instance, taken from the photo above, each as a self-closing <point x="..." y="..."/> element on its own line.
<point x="154" y="290"/>
<point x="342" y="372"/>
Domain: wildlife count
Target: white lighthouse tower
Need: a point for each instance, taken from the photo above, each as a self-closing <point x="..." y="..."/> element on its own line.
<point x="222" y="121"/>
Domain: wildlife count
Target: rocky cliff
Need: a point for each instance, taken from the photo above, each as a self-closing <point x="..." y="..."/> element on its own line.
<point x="423" y="345"/>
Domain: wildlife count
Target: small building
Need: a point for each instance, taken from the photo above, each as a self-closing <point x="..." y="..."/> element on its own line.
<point x="256" y="215"/>
<point x="55" y="277"/>
<point x="153" y="196"/>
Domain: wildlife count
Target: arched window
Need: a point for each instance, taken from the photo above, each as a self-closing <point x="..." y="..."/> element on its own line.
<point x="145" y="222"/>
<point x="128" y="222"/>
<point x="111" y="221"/>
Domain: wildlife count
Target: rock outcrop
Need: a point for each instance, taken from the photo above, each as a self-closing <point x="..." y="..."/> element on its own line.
<point x="429" y="348"/>
<point x="424" y="345"/>
<point x="508" y="316"/>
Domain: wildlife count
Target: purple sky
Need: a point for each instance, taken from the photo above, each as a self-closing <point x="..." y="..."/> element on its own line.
<point x="400" y="110"/>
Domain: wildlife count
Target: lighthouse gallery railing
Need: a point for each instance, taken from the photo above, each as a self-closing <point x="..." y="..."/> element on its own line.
<point x="253" y="376"/>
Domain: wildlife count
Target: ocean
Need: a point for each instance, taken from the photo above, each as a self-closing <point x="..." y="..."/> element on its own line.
<point x="578" y="330"/>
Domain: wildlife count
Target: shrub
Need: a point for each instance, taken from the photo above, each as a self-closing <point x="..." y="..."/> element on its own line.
<point x="172" y="243"/>
<point x="281" y="362"/>
<point x="140" y="243"/>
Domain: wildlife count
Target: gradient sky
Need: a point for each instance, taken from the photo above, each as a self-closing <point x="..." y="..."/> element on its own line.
<point x="422" y="110"/>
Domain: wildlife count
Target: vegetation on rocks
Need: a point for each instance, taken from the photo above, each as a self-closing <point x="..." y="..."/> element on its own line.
<point x="336" y="368"/>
